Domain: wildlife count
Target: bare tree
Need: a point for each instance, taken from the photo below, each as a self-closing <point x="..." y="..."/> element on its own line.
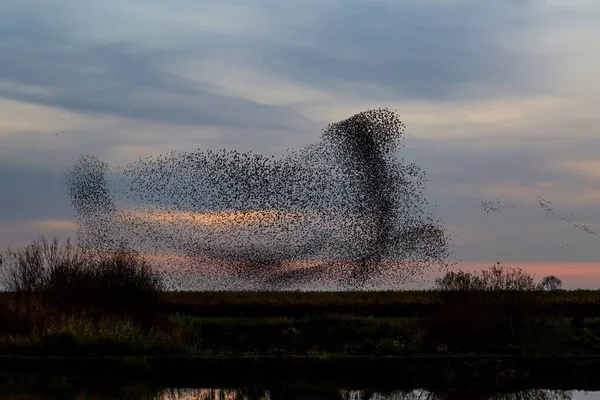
<point x="551" y="282"/>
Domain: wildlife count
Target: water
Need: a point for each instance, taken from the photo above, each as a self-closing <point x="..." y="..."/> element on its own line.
<point x="341" y="394"/>
<point x="137" y="392"/>
<point x="319" y="380"/>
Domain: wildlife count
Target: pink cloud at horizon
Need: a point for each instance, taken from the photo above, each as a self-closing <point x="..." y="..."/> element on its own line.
<point x="573" y="274"/>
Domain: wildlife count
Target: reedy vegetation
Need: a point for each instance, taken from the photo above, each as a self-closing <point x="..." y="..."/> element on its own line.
<point x="68" y="278"/>
<point x="63" y="297"/>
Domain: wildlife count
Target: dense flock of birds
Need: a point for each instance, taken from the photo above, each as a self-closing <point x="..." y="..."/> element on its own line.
<point x="345" y="209"/>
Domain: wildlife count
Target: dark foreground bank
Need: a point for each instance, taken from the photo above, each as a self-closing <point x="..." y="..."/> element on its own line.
<point x="314" y="325"/>
<point x="391" y="373"/>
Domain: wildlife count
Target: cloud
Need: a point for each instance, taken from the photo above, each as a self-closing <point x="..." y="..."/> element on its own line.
<point x="28" y="193"/>
<point x="20" y="118"/>
<point x="583" y="169"/>
<point x="425" y="50"/>
<point x="22" y="232"/>
<point x="55" y="225"/>
<point x="217" y="220"/>
<point x="116" y="78"/>
<point x="498" y="97"/>
<point x="48" y="225"/>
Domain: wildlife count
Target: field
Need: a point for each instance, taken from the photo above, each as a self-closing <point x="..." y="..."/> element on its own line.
<point x="320" y="325"/>
<point x="387" y="303"/>
<point x="299" y="341"/>
<point x="64" y="303"/>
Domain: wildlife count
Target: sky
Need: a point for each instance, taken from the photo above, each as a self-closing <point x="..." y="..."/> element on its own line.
<point x="500" y="101"/>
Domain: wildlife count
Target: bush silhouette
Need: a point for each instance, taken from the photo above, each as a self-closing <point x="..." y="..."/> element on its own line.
<point x="551" y="282"/>
<point x="63" y="276"/>
<point x="496" y="278"/>
<point x="471" y="318"/>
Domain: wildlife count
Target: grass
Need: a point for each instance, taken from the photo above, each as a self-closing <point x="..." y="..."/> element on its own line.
<point x="43" y="330"/>
<point x="385" y="303"/>
<point x="68" y="303"/>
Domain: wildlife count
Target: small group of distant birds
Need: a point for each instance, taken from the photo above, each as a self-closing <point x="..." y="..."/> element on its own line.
<point x="496" y="205"/>
<point x="345" y="208"/>
<point x="547" y="205"/>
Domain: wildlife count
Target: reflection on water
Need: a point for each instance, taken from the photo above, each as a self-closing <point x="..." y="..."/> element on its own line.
<point x="304" y="392"/>
<point x="421" y="394"/>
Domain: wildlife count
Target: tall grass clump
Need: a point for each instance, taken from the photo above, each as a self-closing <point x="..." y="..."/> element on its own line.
<point x="27" y="271"/>
<point x="63" y="276"/>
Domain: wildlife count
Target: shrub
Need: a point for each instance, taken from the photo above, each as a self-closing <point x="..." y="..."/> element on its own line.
<point x="497" y="278"/>
<point x="123" y="281"/>
<point x="470" y="320"/>
<point x="551" y="282"/>
<point x="27" y="270"/>
<point x="65" y="277"/>
<point x="460" y="280"/>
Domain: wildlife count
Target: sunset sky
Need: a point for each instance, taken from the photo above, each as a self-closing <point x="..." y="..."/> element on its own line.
<point x="500" y="99"/>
